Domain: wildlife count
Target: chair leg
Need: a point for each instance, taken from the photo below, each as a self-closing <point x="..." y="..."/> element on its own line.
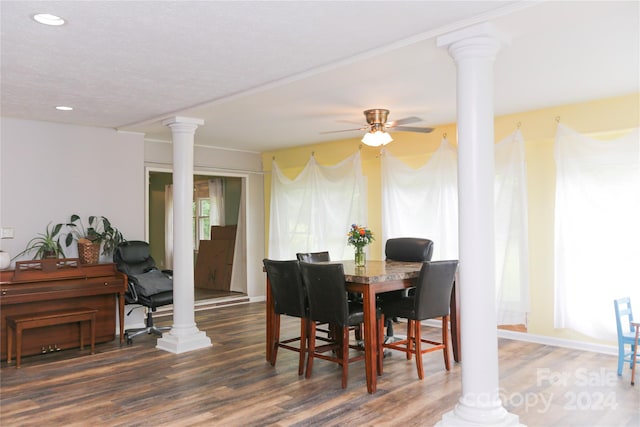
<point x="276" y="339"/>
<point x="303" y="344"/>
<point x="445" y="342"/>
<point x="345" y="356"/>
<point x="418" y="349"/>
<point x="620" y="357"/>
<point x="311" y="349"/>
<point x="410" y="338"/>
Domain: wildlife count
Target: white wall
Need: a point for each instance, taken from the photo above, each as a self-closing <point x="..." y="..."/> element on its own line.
<point x="50" y="171"/>
<point x="233" y="163"/>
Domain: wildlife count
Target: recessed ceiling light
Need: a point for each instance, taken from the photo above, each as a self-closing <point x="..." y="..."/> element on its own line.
<point x="48" y="19"/>
<point x="64" y="108"/>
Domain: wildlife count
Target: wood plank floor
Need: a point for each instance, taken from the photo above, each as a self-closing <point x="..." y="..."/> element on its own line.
<point x="231" y="384"/>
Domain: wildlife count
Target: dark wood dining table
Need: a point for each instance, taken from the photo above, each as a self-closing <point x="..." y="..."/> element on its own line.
<point x="375" y="278"/>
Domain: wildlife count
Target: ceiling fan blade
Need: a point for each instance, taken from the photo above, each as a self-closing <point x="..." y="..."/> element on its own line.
<point x="344" y="130"/>
<point x="353" y="122"/>
<point x="412" y="129"/>
<point x="404" y="121"/>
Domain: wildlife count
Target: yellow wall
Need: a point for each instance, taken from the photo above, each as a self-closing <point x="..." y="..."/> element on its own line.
<point x="602" y="118"/>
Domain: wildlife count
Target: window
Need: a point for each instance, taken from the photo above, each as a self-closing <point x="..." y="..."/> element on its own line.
<point x="208" y="209"/>
<point x="596" y="229"/>
<point x="314" y="211"/>
<point x="201" y="220"/>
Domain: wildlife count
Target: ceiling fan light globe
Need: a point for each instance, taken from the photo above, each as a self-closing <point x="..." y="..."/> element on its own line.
<point x="376" y="139"/>
<point x="369" y="139"/>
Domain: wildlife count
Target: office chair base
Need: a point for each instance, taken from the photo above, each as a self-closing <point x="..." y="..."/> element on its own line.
<point x="129" y="334"/>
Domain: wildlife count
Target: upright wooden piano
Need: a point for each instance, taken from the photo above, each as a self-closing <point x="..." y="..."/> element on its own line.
<point x="54" y="284"/>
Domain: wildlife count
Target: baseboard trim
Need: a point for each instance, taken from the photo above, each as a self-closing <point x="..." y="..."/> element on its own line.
<point x="559" y="342"/>
<point x="545" y="340"/>
<point x="167" y="310"/>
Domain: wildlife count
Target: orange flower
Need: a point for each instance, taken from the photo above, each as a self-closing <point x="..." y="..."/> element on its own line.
<point x="359" y="236"/>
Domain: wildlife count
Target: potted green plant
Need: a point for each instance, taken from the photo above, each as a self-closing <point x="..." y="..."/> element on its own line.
<point x="45" y="245"/>
<point x="98" y="233"/>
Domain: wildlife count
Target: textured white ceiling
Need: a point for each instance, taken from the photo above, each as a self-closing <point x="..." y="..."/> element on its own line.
<point x="266" y="75"/>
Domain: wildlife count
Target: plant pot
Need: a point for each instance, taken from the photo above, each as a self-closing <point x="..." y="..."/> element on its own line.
<point x="49" y="255"/>
<point x="88" y="252"/>
<point x="5" y="260"/>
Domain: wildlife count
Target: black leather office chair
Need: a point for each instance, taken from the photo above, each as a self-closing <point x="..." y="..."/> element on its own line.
<point x="148" y="286"/>
<point x="407" y="249"/>
<point x="328" y="303"/>
<point x="289" y="298"/>
<point x="431" y="299"/>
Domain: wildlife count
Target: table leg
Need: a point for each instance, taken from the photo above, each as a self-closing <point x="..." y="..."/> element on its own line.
<point x="370" y="339"/>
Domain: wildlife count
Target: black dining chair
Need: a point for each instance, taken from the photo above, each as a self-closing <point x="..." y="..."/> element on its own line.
<point x="406" y="249"/>
<point x="322" y="256"/>
<point x="328" y="303"/>
<point x="431" y="300"/>
<point x="288" y="299"/>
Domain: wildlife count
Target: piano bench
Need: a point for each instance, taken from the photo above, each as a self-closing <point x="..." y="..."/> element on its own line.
<point x="17" y="324"/>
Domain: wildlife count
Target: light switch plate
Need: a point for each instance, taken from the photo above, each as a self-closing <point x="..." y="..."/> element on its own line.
<point x="6" y="233"/>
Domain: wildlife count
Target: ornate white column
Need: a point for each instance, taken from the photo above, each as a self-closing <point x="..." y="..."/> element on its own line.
<point x="474" y="50"/>
<point x="184" y="335"/>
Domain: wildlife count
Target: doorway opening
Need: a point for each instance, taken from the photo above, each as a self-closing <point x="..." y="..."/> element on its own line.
<point x="219" y="203"/>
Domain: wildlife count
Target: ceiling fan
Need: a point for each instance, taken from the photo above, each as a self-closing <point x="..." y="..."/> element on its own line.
<point x="377" y="127"/>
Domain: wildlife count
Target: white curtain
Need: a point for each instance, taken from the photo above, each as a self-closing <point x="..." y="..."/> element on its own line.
<point x="314" y="211"/>
<point x="238" y="271"/>
<point x="511" y="230"/>
<point x="168" y="226"/>
<point x="597" y="229"/>
<point x="216" y="195"/>
<point x="422" y="202"/>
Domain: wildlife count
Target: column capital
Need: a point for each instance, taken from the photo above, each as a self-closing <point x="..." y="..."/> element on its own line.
<point x="180" y="120"/>
<point x="477" y="41"/>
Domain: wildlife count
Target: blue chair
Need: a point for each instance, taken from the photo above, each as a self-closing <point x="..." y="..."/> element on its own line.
<point x="626" y="332"/>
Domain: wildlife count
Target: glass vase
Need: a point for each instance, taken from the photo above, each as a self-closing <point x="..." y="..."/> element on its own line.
<point x="360" y="257"/>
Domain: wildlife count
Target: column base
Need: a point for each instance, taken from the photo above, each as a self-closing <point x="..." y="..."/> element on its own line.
<point x="504" y="419"/>
<point x="183" y="343"/>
